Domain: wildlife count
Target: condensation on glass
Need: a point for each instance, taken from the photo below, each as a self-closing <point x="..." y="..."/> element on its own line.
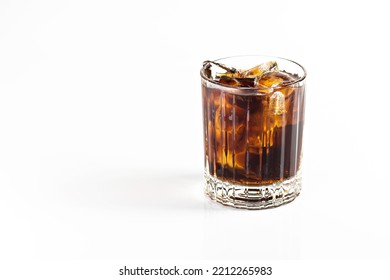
<point x="253" y="133"/>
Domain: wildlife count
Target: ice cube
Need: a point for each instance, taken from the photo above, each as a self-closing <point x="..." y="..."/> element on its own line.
<point x="207" y="66"/>
<point x="273" y="79"/>
<point x="259" y="70"/>
<point x="207" y="69"/>
<point x="237" y="82"/>
<point x="277" y="104"/>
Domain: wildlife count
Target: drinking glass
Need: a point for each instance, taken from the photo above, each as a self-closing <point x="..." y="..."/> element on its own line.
<point x="253" y="135"/>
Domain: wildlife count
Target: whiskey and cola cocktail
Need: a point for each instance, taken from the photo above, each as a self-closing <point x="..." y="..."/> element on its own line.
<point x="253" y="113"/>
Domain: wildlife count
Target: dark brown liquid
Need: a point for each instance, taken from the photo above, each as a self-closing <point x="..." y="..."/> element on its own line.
<point x="247" y="141"/>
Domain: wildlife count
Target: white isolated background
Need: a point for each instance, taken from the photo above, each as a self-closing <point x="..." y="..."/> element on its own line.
<point x="101" y="150"/>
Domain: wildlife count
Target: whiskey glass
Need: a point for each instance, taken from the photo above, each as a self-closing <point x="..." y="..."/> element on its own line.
<point x="253" y="136"/>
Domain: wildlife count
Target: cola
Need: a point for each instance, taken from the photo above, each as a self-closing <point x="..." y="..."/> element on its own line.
<point x="245" y="142"/>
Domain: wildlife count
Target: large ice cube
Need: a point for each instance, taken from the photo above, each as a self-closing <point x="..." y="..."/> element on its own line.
<point x="259" y="70"/>
<point x="273" y="79"/>
<point x="237" y="82"/>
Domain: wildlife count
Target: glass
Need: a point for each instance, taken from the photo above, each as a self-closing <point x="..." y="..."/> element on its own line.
<point x="253" y="135"/>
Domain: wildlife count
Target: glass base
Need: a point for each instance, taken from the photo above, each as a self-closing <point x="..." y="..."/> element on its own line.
<point x="252" y="197"/>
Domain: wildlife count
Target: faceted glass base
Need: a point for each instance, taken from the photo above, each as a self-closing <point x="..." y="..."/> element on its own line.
<point x="252" y="197"/>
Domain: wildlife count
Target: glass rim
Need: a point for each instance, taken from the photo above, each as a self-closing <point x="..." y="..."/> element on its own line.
<point x="258" y="90"/>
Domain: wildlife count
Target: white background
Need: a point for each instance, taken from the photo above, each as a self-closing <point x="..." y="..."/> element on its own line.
<point x="101" y="154"/>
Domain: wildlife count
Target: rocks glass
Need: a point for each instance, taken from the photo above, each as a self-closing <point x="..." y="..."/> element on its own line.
<point x="253" y="113"/>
